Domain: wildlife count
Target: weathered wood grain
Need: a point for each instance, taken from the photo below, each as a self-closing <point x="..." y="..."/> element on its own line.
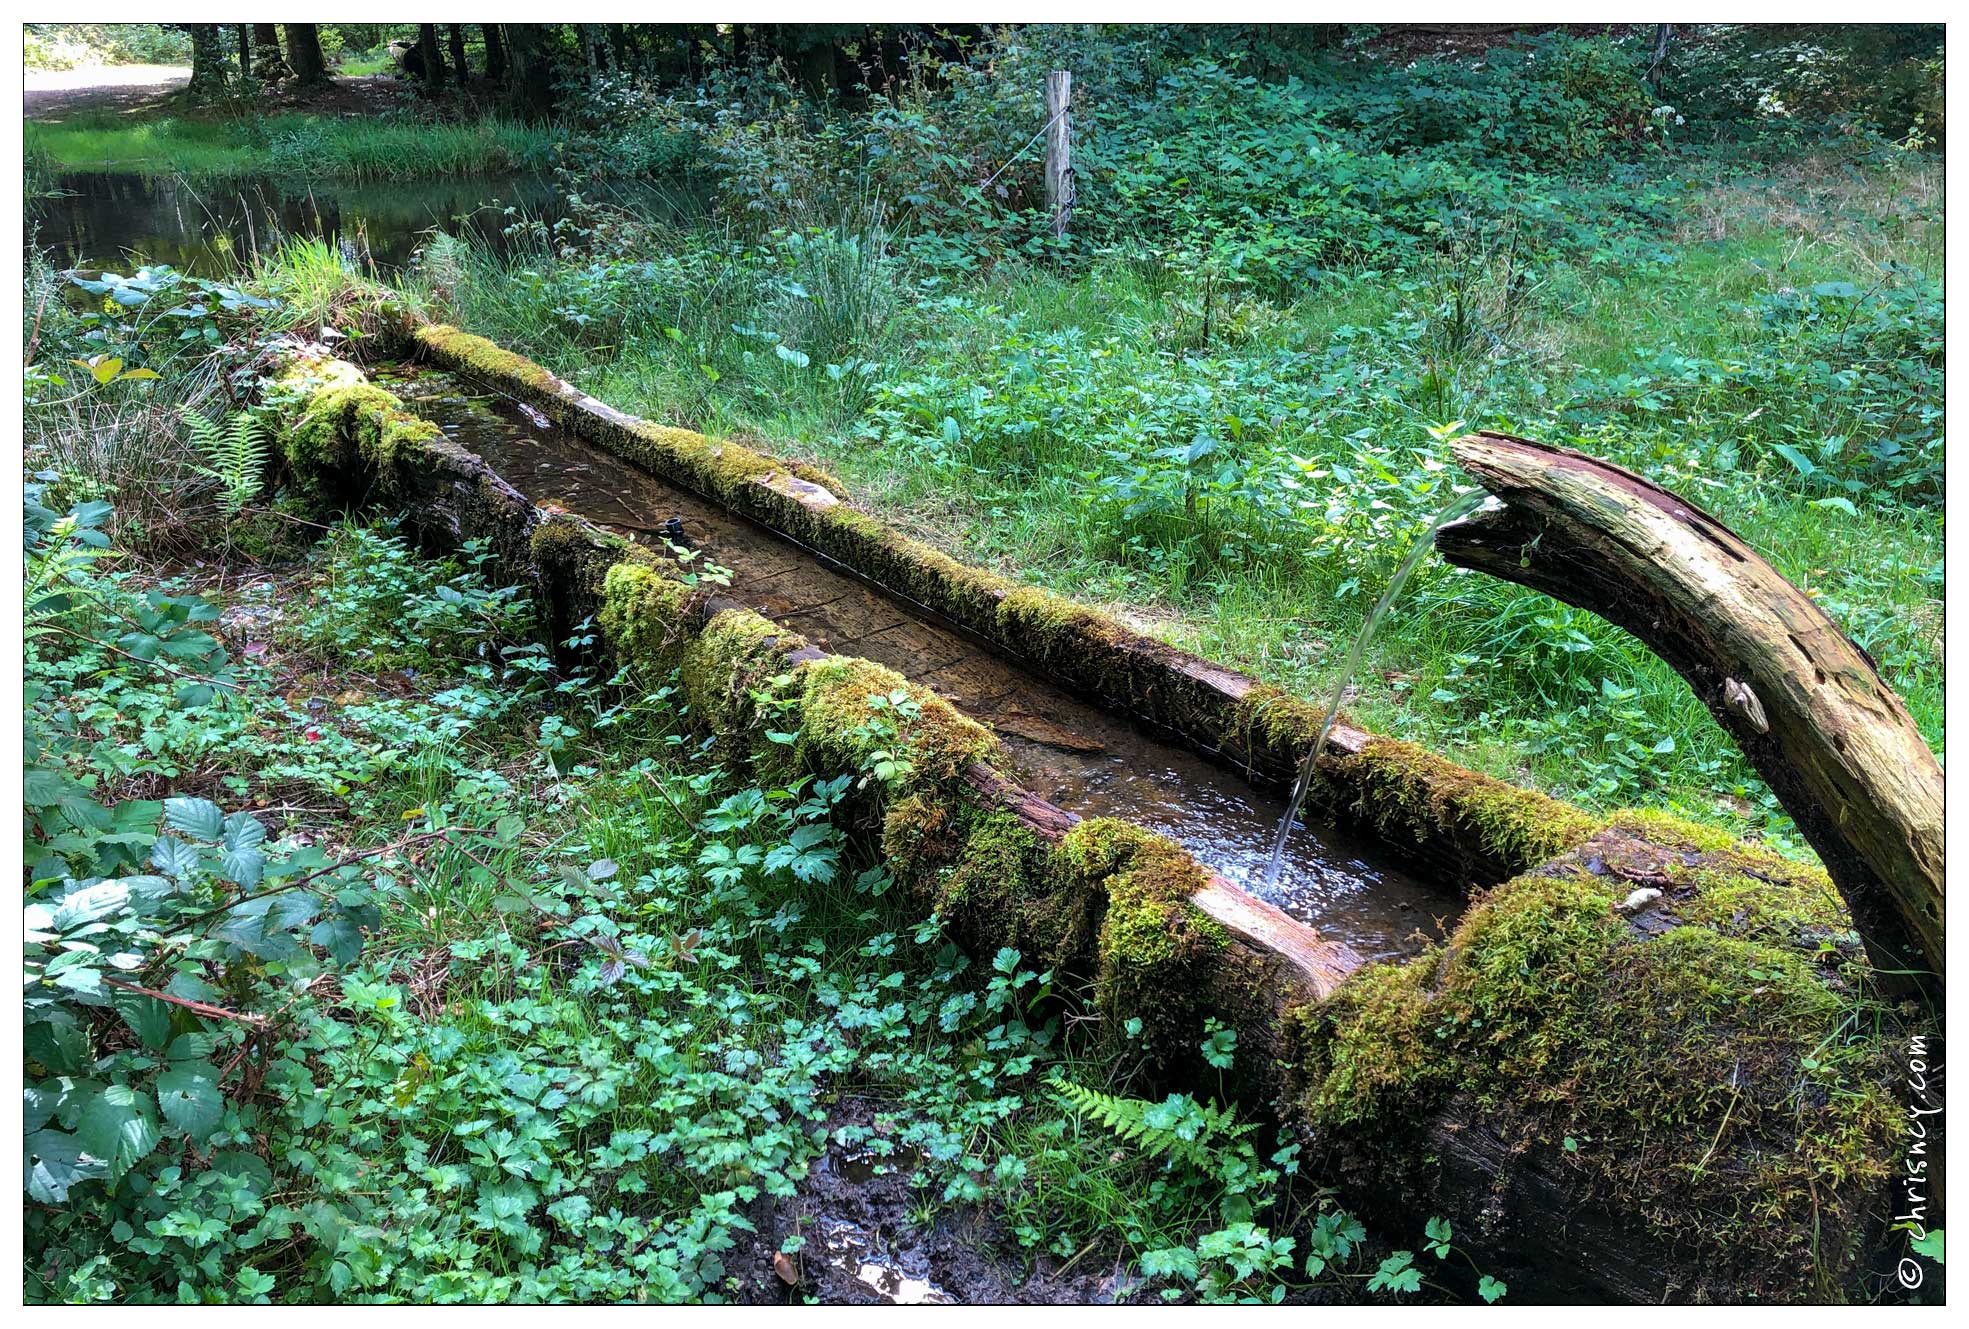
<point x="1806" y="704"/>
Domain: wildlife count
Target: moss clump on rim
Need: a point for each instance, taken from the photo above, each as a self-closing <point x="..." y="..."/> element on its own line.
<point x="563" y="544"/>
<point x="841" y="731"/>
<point x="1739" y="889"/>
<point x="1406" y="792"/>
<point x="645" y="616"/>
<point x="1702" y="1062"/>
<point x="1053" y="630"/>
<point x="737" y="654"/>
<point x="1004" y="889"/>
<point x="343" y="422"/>
<point x="1160" y="960"/>
<point x="486" y="358"/>
<point x="324" y="437"/>
<point x="391" y="438"/>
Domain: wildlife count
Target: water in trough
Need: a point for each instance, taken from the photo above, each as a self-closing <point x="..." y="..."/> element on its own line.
<point x="1072" y="753"/>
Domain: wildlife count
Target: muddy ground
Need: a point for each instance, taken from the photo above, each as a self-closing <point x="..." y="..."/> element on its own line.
<point x="863" y="1248"/>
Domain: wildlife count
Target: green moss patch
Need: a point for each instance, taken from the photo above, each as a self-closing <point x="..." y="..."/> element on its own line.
<point x="645" y="616"/>
<point x="487" y="359"/>
<point x="338" y="425"/>
<point x="735" y="657"/>
<point x="1474" y="828"/>
<point x="849" y="716"/>
<point x="1163" y="965"/>
<point x="1671" y="1030"/>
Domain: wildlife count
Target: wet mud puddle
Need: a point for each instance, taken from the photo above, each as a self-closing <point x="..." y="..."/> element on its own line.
<point x="1067" y="751"/>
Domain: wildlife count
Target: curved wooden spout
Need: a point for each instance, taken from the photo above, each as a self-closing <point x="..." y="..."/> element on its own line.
<point x="1807" y="705"/>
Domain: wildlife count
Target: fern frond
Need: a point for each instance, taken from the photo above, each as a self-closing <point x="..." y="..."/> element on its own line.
<point x="236" y="458"/>
<point x="1179" y="1127"/>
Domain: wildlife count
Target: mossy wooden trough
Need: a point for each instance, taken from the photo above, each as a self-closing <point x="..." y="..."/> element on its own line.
<point x="1644" y="1065"/>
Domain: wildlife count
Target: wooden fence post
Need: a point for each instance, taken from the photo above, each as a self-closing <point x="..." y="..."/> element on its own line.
<point x="1059" y="148"/>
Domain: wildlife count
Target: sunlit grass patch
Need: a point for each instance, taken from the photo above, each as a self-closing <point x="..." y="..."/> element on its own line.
<point x="359" y="148"/>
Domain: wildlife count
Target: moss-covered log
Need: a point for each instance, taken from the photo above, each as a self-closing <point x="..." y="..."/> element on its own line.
<point x="1804" y="702"/>
<point x="1649" y="1070"/>
<point x="1458" y="827"/>
<point x="1145" y="934"/>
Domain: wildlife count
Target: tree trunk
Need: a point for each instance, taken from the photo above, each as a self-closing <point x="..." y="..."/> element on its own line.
<point x="459" y="69"/>
<point x="268" y="66"/>
<point x="304" y="54"/>
<point x="532" y="62"/>
<point x="432" y="56"/>
<point x="495" y="53"/>
<point x="208" y="63"/>
<point x="1807" y="706"/>
<point x="245" y="50"/>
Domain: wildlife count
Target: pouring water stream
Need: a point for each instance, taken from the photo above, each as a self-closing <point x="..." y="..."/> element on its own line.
<point x="1462" y="507"/>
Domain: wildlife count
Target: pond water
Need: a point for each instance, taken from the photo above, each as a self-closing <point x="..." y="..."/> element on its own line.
<point x="1075" y="755"/>
<point x="102" y="219"/>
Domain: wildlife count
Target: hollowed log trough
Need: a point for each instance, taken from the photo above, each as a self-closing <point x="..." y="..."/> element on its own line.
<point x="1607" y="1099"/>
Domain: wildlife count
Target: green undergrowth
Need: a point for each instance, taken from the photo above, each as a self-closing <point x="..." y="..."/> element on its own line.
<point x="1237" y="468"/>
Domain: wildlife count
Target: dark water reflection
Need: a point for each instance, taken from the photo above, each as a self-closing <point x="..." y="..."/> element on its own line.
<point x="103" y="219"/>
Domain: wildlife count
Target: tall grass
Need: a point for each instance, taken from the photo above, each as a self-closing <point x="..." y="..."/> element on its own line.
<point x="703" y="326"/>
<point x="316" y="286"/>
<point x="364" y="148"/>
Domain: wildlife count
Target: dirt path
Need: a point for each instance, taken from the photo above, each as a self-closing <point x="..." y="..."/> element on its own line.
<point x="56" y="94"/>
<point x="144" y="90"/>
<point x="128" y="89"/>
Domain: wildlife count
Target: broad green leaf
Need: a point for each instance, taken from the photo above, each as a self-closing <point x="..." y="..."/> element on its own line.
<point x="339" y="935"/>
<point x="188" y="1093"/>
<point x="200" y="818"/>
<point x="174" y="857"/>
<point x="62" y="1048"/>
<point x="245" y="866"/>
<point x="148" y="1018"/>
<point x="192" y="1047"/>
<point x="54" y="1163"/>
<point x="42" y="787"/>
<point x="119" y="1127"/>
<point x="88" y="905"/>
<point x="1804" y="465"/>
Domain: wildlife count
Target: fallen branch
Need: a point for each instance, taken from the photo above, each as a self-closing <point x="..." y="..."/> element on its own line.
<point x="202" y="1008"/>
<point x="1806" y="704"/>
